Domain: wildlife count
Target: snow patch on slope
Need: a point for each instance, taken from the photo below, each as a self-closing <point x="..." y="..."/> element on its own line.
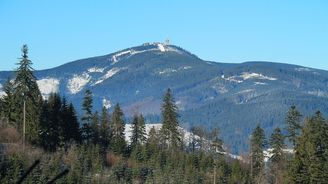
<point x="77" y="83"/>
<point x="318" y="93"/>
<point x="247" y="76"/>
<point x="167" y="71"/>
<point x="268" y="153"/>
<point x="128" y="130"/>
<point x="109" y="74"/>
<point x="171" y="70"/>
<point x="96" y="70"/>
<point x="2" y="93"/>
<point x="48" y="86"/>
<point x="128" y="53"/>
<point x="231" y="79"/>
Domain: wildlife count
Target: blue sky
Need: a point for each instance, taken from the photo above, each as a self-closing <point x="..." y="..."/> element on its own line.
<point x="59" y="31"/>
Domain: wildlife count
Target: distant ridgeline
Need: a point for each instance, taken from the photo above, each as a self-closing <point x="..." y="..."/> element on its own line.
<point x="234" y="97"/>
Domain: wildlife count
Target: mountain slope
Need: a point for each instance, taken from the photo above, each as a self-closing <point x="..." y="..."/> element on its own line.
<point x="234" y="97"/>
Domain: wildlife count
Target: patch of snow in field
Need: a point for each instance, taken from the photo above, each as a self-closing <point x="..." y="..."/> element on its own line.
<point x="2" y="93"/>
<point x="318" y="93"/>
<point x="77" y="83"/>
<point x="233" y="79"/>
<point x="109" y="74"/>
<point x="186" y="67"/>
<point x="172" y="49"/>
<point x="268" y="153"/>
<point x="96" y="70"/>
<point x="167" y="71"/>
<point x="128" y="130"/>
<point x="170" y="70"/>
<point x="247" y="76"/>
<point x="48" y="86"/>
<point x="107" y="103"/>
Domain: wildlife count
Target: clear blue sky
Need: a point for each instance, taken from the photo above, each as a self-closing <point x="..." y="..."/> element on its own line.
<point x="59" y="31"/>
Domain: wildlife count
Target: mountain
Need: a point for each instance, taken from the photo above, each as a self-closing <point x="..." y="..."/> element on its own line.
<point x="234" y="97"/>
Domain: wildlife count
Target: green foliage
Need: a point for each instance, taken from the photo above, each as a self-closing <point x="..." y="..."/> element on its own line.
<point x="26" y="89"/>
<point x="58" y="125"/>
<point x="104" y="158"/>
<point x="138" y="136"/>
<point x="311" y="152"/>
<point x="8" y="103"/>
<point x="257" y="156"/>
<point x="87" y="116"/>
<point x="118" y="144"/>
<point x="293" y="124"/>
<point x="278" y="158"/>
<point x="104" y="132"/>
<point x="170" y="135"/>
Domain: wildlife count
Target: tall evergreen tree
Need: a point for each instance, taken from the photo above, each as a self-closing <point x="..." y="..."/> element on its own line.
<point x="293" y="124"/>
<point x="257" y="156"/>
<point x="95" y="128"/>
<point x="26" y="89"/>
<point x="87" y="116"/>
<point x="170" y="134"/>
<point x="50" y="129"/>
<point x="278" y="158"/>
<point x="138" y="136"/>
<point x="8" y="103"/>
<point x="117" y="127"/>
<point x="104" y="128"/>
<point x="69" y="123"/>
<point x="310" y="162"/>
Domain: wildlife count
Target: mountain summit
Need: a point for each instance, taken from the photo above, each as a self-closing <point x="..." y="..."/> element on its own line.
<point x="234" y="97"/>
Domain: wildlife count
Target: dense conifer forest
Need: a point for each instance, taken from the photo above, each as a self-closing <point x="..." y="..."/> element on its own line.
<point x="44" y="141"/>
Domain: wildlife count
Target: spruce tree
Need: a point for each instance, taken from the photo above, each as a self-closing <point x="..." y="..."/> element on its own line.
<point x="104" y="129"/>
<point x="277" y="145"/>
<point x="138" y="136"/>
<point x="310" y="161"/>
<point x="8" y="103"/>
<point x="95" y="128"/>
<point x="278" y="158"/>
<point x="257" y="156"/>
<point x="152" y="142"/>
<point x="293" y="124"/>
<point x="26" y="89"/>
<point x="170" y="135"/>
<point x="87" y="116"/>
<point x="118" y="143"/>
<point x="50" y="123"/>
<point x="70" y="125"/>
